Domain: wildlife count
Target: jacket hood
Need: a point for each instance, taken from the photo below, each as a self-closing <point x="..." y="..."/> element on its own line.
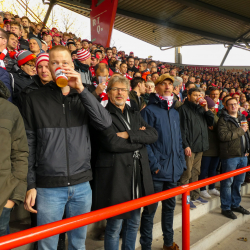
<point x="4" y="92"/>
<point x="153" y="99"/>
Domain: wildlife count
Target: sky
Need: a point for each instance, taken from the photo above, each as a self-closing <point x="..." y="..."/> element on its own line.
<point x="196" y="55"/>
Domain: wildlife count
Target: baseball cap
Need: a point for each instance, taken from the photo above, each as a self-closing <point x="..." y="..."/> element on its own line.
<point x="164" y="77"/>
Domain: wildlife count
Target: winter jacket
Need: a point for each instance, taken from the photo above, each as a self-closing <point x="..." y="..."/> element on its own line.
<point x="23" y="44"/>
<point x="230" y="135"/>
<point x="83" y="69"/>
<point x="194" y="121"/>
<point x="21" y="81"/>
<point x="58" y="135"/>
<point x="9" y="62"/>
<point x="213" y="140"/>
<point x="37" y="84"/>
<point x="167" y="153"/>
<point x="133" y="69"/>
<point x="113" y="171"/>
<point x="7" y="81"/>
<point x="133" y="96"/>
<point x="14" y="152"/>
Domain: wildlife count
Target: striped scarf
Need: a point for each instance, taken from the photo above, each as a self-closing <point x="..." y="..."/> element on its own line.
<point x="168" y="99"/>
<point x="2" y="56"/>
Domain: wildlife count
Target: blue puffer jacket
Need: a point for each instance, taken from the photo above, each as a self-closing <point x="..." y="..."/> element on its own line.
<point x="167" y="153"/>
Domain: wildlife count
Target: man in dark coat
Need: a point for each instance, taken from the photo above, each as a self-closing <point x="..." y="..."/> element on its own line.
<point x="166" y="157"/>
<point x="194" y="120"/>
<point x="122" y="170"/>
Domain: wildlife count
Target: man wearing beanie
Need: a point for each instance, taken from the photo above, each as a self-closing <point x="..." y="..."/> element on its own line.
<point x="166" y="158"/>
<point x="82" y="64"/>
<point x="35" y="45"/>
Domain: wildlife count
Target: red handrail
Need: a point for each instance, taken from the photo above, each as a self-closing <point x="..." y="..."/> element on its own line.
<point x="44" y="231"/>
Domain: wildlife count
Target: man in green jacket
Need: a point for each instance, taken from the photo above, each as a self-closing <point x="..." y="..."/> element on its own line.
<point x="234" y="149"/>
<point x="13" y="158"/>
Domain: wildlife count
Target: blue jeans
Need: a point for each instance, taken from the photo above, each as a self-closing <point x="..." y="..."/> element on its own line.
<point x="167" y="218"/>
<point x="51" y="203"/>
<point x="129" y="232"/>
<point x="230" y="188"/>
<point x="208" y="169"/>
<point x="4" y="221"/>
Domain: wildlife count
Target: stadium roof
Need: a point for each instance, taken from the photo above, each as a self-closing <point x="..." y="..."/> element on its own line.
<point x="174" y="23"/>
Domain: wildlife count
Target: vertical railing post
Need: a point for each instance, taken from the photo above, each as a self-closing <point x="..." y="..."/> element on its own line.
<point x="186" y="221"/>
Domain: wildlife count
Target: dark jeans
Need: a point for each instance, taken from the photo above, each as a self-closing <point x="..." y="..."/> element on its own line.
<point x="167" y="218"/>
<point x="208" y="169"/>
<point x="230" y="188"/>
<point x="4" y="221"/>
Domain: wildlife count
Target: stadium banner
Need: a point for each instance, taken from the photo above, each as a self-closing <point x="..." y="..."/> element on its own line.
<point x="102" y="18"/>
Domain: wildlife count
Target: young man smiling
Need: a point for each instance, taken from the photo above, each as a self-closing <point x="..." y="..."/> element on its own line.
<point x="56" y="121"/>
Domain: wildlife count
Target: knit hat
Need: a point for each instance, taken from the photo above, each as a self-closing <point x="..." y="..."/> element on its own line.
<point x="164" y="77"/>
<point x="42" y="57"/>
<point x="38" y="41"/>
<point x="24" y="56"/>
<point x="83" y="55"/>
<point x="210" y="102"/>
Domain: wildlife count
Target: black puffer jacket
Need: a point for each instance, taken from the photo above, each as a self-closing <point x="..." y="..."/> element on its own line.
<point x="58" y="135"/>
<point x="194" y="122"/>
<point x="230" y="136"/>
<point x="21" y="81"/>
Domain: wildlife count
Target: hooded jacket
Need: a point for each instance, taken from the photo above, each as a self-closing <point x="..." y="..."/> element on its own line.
<point x="194" y="122"/>
<point x="166" y="154"/>
<point x="14" y="152"/>
<point x="83" y="69"/>
<point x="57" y="129"/>
<point x="230" y="135"/>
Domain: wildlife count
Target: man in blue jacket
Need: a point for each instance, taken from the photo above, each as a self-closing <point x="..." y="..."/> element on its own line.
<point x="166" y="158"/>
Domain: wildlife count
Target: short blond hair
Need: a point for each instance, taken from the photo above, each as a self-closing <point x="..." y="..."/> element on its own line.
<point x="59" y="48"/>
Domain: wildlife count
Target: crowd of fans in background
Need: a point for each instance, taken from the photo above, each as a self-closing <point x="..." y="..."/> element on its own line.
<point x="155" y="123"/>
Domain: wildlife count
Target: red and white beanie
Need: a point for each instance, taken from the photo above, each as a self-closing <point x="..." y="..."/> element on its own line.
<point x="41" y="58"/>
<point x="83" y="55"/>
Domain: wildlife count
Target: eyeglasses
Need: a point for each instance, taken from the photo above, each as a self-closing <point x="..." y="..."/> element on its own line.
<point x="119" y="89"/>
<point x="233" y="105"/>
<point x="31" y="66"/>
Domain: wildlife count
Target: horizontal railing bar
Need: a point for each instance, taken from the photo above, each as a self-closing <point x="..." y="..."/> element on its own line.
<point x="37" y="233"/>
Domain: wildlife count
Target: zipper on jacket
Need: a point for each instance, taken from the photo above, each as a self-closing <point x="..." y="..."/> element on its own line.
<point x="66" y="142"/>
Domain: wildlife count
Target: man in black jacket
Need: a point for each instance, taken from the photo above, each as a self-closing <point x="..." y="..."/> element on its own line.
<point x="194" y="121"/>
<point x="131" y="64"/>
<point x="122" y="170"/>
<point x="56" y="121"/>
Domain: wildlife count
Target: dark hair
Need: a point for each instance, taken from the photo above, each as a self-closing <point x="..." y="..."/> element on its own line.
<point x="154" y="74"/>
<point x="109" y="48"/>
<point x="123" y="63"/>
<point x="143" y="63"/>
<point x="151" y="62"/>
<point x="193" y="90"/>
<point x="135" y="81"/>
<point x="24" y="17"/>
<point x="188" y="84"/>
<point x="4" y="34"/>
<point x="15" y="35"/>
<point x="101" y="67"/>
<point x="130" y="57"/>
<point x="213" y="89"/>
<point x="231" y="99"/>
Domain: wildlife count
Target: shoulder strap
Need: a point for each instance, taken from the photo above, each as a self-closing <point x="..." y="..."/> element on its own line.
<point x="12" y="82"/>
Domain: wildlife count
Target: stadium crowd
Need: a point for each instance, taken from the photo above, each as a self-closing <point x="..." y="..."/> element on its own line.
<point x="83" y="127"/>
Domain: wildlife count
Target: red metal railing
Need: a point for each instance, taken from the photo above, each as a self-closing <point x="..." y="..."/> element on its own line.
<point x="40" y="232"/>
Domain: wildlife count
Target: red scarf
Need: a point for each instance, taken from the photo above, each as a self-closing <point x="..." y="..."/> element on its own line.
<point x="92" y="70"/>
<point x="2" y="56"/>
<point x="217" y="106"/>
<point x="12" y="54"/>
<point x="168" y="99"/>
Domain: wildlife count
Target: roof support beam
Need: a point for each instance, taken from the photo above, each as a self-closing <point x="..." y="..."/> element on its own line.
<point x="208" y="35"/>
<point x="51" y="5"/>
<point x="214" y="10"/>
<point x="225" y="56"/>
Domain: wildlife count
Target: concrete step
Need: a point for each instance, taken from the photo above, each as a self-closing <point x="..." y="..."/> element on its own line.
<point x="208" y="231"/>
<point x="231" y="242"/>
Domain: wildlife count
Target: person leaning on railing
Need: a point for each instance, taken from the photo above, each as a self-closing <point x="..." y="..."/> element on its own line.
<point x="234" y="149"/>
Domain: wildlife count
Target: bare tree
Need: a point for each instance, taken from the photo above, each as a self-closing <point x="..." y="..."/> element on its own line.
<point x="68" y="22"/>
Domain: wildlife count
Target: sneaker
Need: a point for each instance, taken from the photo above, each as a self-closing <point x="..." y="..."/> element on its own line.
<point x="241" y="210"/>
<point x="229" y="214"/>
<point x="174" y="247"/>
<point x="205" y="194"/>
<point x="192" y="205"/>
<point x="200" y="200"/>
<point x="214" y="192"/>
